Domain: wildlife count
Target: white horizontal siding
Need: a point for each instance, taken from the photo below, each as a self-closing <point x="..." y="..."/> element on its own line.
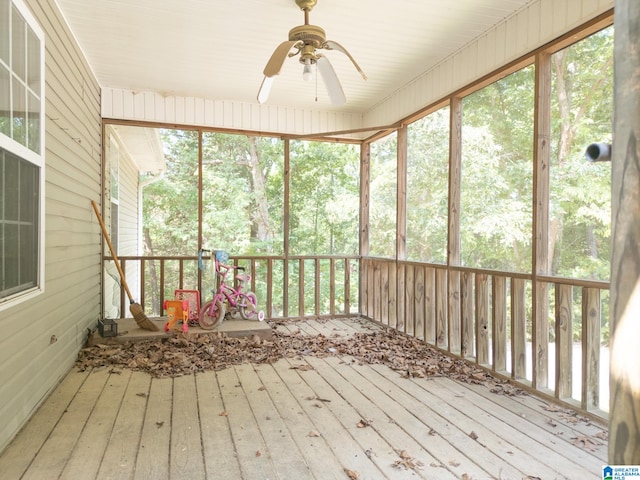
<point x="155" y="107"/>
<point x="537" y="24"/>
<point x="31" y="364"/>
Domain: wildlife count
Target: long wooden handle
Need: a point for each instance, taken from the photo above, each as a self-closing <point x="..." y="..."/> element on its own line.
<point x="113" y="252"/>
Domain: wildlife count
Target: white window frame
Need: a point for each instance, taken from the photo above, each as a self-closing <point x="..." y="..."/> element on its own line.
<point x="35" y="158"/>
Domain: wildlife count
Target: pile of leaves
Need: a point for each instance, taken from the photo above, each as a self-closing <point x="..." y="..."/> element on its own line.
<point x="188" y="353"/>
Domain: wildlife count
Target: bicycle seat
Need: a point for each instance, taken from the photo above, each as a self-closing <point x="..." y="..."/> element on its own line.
<point x="243" y="277"/>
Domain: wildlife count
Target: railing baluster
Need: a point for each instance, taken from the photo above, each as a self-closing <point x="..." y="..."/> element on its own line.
<point x="564" y="340"/>
<point x="466" y="314"/>
<point x="482" y="319"/>
<point x="591" y="306"/>
<point x="499" y="322"/>
<point x="518" y="329"/>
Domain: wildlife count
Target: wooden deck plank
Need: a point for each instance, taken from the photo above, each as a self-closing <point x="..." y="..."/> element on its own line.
<point x="516" y="448"/>
<point x="439" y="419"/>
<point x="556" y="420"/>
<point x="558" y="453"/>
<point x="186" y="445"/>
<point x="15" y="459"/>
<point x="251" y="448"/>
<point x="393" y="438"/>
<point x="281" y="447"/>
<point x="52" y="457"/>
<point x="153" y="456"/>
<point x="425" y="429"/>
<point x="122" y="450"/>
<point x="94" y="438"/>
<point x="218" y="448"/>
<point x="317" y="453"/>
<point x="350" y="454"/>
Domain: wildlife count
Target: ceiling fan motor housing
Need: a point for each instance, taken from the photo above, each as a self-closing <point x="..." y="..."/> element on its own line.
<point x="311" y="36"/>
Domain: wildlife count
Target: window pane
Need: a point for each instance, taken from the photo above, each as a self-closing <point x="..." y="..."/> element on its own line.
<point x="19" y="200"/>
<point x="19" y="112"/>
<point x="18" y="47"/>
<point x="383" y="197"/>
<point x="427" y="187"/>
<point x="5" y="101"/>
<point x="5" y="10"/>
<point x="497" y="178"/>
<point x="33" y="59"/>
<point x="33" y="130"/>
<point x="580" y="192"/>
<point x="324" y="198"/>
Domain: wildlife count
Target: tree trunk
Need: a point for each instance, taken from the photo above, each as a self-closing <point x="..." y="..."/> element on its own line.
<point x="261" y="213"/>
<point x="624" y="416"/>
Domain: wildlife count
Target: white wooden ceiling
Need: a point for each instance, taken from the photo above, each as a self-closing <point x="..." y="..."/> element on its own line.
<point x="217" y="49"/>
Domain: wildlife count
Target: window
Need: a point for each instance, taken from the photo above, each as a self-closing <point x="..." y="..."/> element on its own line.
<point x="21" y="154"/>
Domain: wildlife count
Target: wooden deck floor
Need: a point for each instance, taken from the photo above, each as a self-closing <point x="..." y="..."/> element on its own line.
<point x="301" y="418"/>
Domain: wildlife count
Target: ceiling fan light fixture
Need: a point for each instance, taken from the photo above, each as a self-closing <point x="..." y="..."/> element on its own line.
<point x="307" y="71"/>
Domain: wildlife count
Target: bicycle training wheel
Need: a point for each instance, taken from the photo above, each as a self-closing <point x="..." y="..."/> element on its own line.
<point x="211" y="317"/>
<point x="247" y="305"/>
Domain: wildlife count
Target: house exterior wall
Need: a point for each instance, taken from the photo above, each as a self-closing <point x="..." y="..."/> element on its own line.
<point x="41" y="337"/>
<point x="539" y="23"/>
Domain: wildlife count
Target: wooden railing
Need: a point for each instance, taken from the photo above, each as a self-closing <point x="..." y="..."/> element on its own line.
<point x="329" y="285"/>
<point x="543" y="333"/>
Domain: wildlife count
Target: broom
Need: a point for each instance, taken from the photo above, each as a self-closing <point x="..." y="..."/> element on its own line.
<point x="135" y="308"/>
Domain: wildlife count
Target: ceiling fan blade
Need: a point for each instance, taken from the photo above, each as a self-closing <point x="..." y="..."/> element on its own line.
<point x="265" y="89"/>
<point x="274" y="65"/>
<point x="331" y="45"/>
<point x="334" y="89"/>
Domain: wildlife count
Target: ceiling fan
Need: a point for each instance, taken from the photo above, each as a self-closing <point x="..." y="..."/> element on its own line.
<point x="307" y="40"/>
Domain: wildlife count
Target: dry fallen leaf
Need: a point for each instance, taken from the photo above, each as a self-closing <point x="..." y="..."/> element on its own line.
<point x="313" y="433"/>
<point x="353" y="475"/>
<point x="258" y="453"/>
<point x="473" y="435"/>
<point x="223" y="413"/>
<point x="363" y="423"/>
<point x="585" y="442"/>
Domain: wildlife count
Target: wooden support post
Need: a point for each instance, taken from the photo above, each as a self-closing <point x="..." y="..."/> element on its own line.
<point x="624" y="416"/>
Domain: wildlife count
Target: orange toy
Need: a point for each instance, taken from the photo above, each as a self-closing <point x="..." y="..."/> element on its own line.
<point x="177" y="311"/>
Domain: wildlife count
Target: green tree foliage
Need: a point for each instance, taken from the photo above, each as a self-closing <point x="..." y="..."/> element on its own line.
<point x="580" y="204"/>
<point x="324" y="198"/>
<point x="383" y="196"/>
<point x="497" y="166"/>
<point x="428" y="187"/>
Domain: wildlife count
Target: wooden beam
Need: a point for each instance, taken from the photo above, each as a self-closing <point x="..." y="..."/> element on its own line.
<point x="541" y="150"/>
<point x="624" y="417"/>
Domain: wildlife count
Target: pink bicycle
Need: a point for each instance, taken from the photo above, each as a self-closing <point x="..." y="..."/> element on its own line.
<point x="226" y="298"/>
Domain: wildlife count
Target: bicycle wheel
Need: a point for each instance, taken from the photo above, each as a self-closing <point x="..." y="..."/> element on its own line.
<point x="247" y="305"/>
<point x="210" y="319"/>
